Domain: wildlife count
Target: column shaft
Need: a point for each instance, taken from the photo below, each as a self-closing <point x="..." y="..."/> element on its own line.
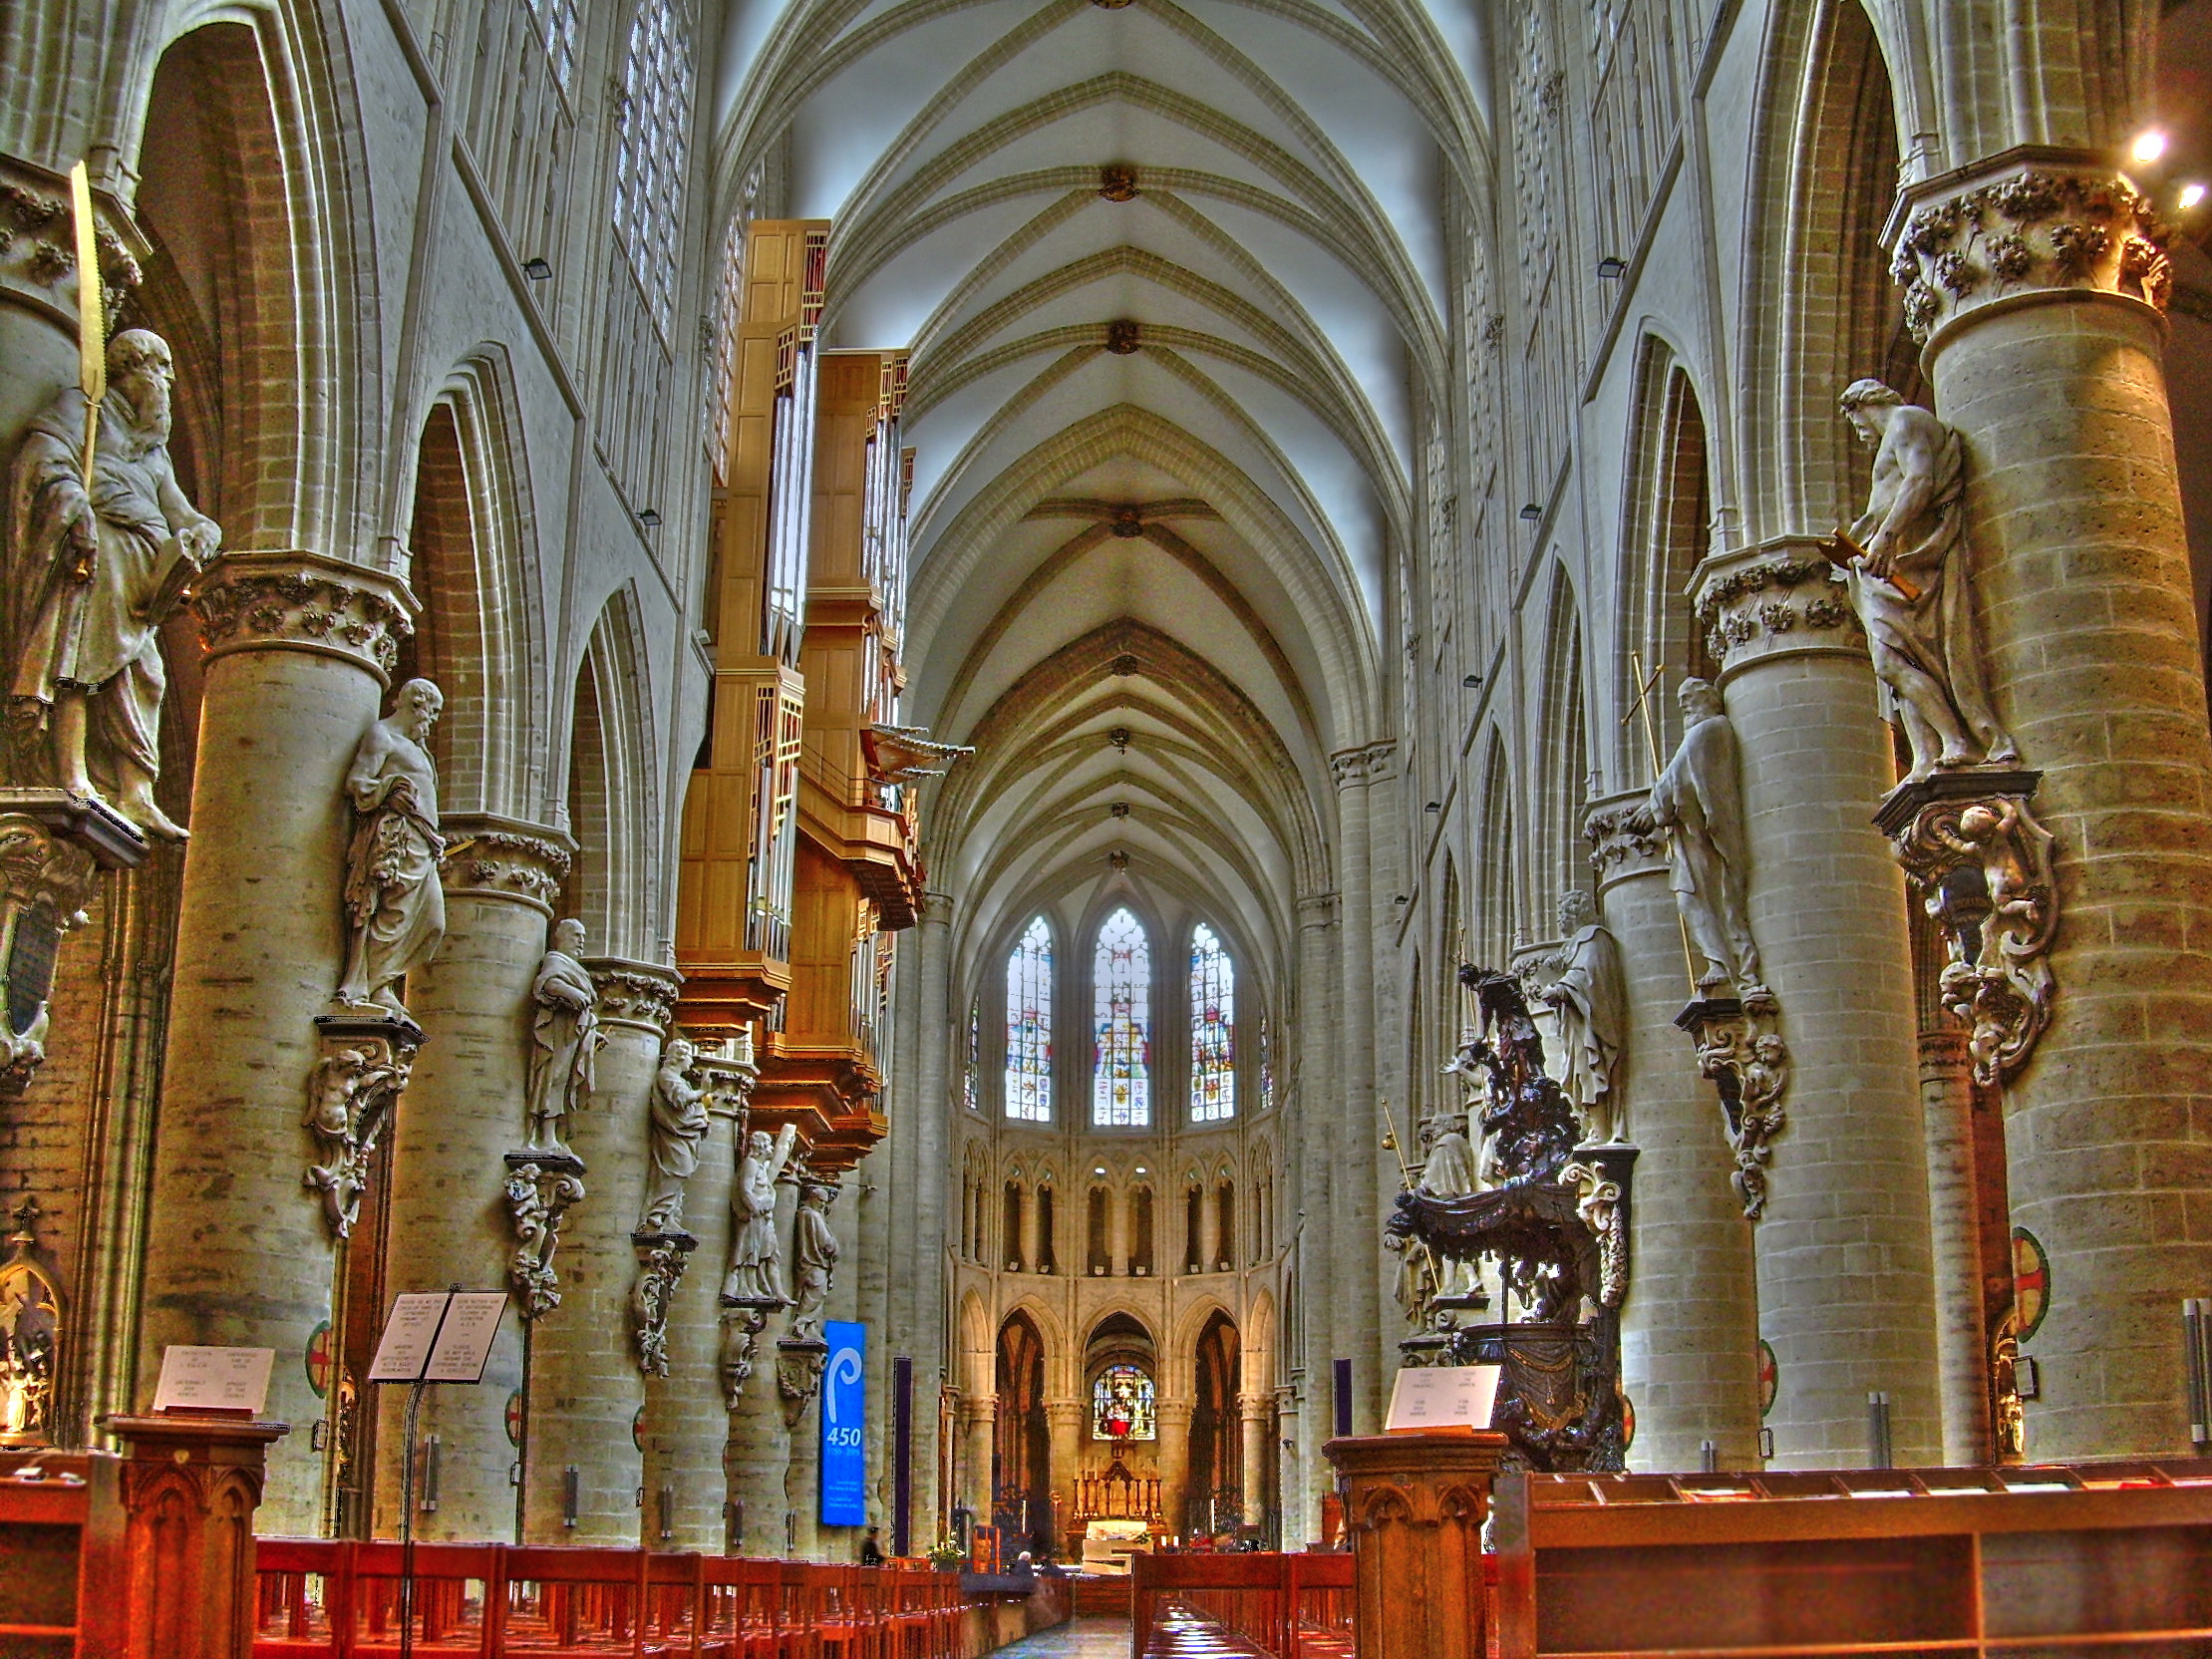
<point x="1961" y="1341"/>
<point x="237" y="1253"/>
<point x="1689" y="1326"/>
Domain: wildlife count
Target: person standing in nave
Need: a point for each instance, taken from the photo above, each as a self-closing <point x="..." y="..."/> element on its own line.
<point x="95" y="567"/>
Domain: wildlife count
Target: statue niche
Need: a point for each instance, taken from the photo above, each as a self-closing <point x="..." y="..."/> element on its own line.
<point x="1556" y="1222"/>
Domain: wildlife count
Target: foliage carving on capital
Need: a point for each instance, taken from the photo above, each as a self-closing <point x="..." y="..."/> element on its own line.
<point x="509" y="861"/>
<point x="1615" y="838"/>
<point x="2037" y="227"/>
<point x="637" y="996"/>
<point x="1370" y="763"/>
<point x="244" y="603"/>
<point x="1761" y="600"/>
<point x="35" y="229"/>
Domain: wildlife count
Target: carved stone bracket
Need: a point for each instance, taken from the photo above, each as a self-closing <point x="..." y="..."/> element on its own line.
<point x="1983" y="866"/>
<point x="541" y="1189"/>
<point x="1749" y="1063"/>
<point x="742" y="1325"/>
<point x="53" y="846"/>
<point x="351" y="1094"/>
<point x="1605" y="1176"/>
<point x="2035" y="219"/>
<point x="1778" y="598"/>
<point x="662" y="1258"/>
<point x="304" y="602"/>
<point x="798" y="1368"/>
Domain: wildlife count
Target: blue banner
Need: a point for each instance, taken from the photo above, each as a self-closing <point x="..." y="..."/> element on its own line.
<point x="844" y="1407"/>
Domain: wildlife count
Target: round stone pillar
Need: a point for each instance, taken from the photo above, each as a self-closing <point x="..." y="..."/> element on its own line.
<point x="587" y="1387"/>
<point x="238" y="1253"/>
<point x="1689" y="1326"/>
<point x="1961" y="1342"/>
<point x="1845" y="1292"/>
<point x="460" y="1114"/>
<point x="1252" y="1417"/>
<point x="1065" y="1419"/>
<point x="979" y="1475"/>
<point x="1173" y="1419"/>
<point x="1312" y="1254"/>
<point x="686" y="1409"/>
<point x="1356" y="1231"/>
<point x="2049" y="368"/>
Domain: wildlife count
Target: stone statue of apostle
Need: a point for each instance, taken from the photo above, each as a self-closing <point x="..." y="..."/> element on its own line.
<point x="394" y="904"/>
<point x="815" y="1258"/>
<point x="679" y="1123"/>
<point x="564" y="1037"/>
<point x="1699" y="801"/>
<point x="93" y="568"/>
<point x="756" y="1276"/>
<point x="1908" y="583"/>
<point x="1590" y="999"/>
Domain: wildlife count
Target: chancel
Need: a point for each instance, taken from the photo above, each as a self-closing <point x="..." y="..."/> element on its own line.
<point x="999" y="748"/>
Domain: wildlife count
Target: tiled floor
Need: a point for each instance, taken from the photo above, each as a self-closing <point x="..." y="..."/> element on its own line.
<point x="1077" y="1639"/>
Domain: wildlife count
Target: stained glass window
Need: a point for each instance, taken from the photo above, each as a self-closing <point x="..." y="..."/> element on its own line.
<point x="1029" y="1026"/>
<point x="653" y="153"/>
<point x="1121" y="1404"/>
<point x="1212" y="1029"/>
<point x="970" y="1072"/>
<point x="1122" y="994"/>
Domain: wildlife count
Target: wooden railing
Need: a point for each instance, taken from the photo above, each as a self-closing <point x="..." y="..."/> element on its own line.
<point x="1291" y="1606"/>
<point x="342" y="1599"/>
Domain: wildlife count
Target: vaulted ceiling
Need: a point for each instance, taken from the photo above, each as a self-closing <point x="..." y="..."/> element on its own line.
<point x="1174" y="281"/>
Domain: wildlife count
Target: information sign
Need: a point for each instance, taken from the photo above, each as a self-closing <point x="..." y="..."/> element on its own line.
<point x="1433" y="1396"/>
<point x="229" y="1379"/>
<point x="844" y="1406"/>
<point x="437" y="1336"/>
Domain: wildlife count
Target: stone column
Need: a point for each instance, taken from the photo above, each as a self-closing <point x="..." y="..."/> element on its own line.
<point x="757" y="1449"/>
<point x="1122" y="1229"/>
<point x="1174" y="1421"/>
<point x="687" y="1417"/>
<point x="917" y="1223"/>
<point x="976" y="1476"/>
<point x="238" y="1253"/>
<point x="1313" y="1251"/>
<point x="1962" y="1343"/>
<point x="462" y="1112"/>
<point x="1845" y="1286"/>
<point x="1290" y="1472"/>
<point x="1252" y="1417"/>
<point x="1355" y="1231"/>
<point x="1689" y="1326"/>
<point x="2051" y="372"/>
<point x="1065" y="1419"/>
<point x="586" y="1394"/>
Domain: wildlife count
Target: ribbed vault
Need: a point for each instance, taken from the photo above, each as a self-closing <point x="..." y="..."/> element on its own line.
<point x="1173" y="280"/>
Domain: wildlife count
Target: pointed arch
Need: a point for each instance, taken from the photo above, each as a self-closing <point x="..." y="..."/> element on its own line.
<point x="1212" y="1028"/>
<point x="614" y="786"/>
<point x="1493" y="934"/>
<point x="1666" y="520"/>
<point x="1121" y="1023"/>
<point x="1028" y="1076"/>
<point x="1562" y="741"/>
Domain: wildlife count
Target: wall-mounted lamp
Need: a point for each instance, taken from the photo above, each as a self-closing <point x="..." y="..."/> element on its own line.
<point x="1473" y="681"/>
<point x="1401" y="898"/>
<point x="1433" y="807"/>
<point x="1611" y="268"/>
<point x="538" y="270"/>
<point x="650" y="519"/>
<point x="1532" y="512"/>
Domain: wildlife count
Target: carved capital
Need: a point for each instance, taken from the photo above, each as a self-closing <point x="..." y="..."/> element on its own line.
<point x="640" y="995"/>
<point x="52" y="847"/>
<point x="1618" y="851"/>
<point x="1749" y="1063"/>
<point x="1983" y="868"/>
<point x="2033" y="220"/>
<point x="500" y="857"/>
<point x="1782" y="598"/>
<point x="300" y="601"/>
<point x="351" y="1094"/>
<point x="38" y="247"/>
<point x="541" y="1189"/>
<point x="662" y="1258"/>
<point x="1368" y="763"/>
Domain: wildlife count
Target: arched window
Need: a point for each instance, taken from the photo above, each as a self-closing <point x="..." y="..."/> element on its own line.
<point x="1029" y="1026"/>
<point x="971" y="1071"/>
<point x="1212" y="1029"/>
<point x="1121" y="1086"/>
<point x="652" y="153"/>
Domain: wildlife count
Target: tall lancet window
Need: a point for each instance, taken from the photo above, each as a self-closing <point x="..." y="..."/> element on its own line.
<point x="652" y="151"/>
<point x="1122" y="974"/>
<point x="1212" y="1029"/>
<point x="1029" y="1026"/>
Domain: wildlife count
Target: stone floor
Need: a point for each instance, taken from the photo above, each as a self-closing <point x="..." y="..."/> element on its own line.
<point x="1077" y="1639"/>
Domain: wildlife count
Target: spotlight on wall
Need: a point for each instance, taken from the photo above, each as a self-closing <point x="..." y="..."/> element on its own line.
<point x="538" y="270"/>
<point x="1401" y="898"/>
<point x="1532" y="512"/>
<point x="2150" y="144"/>
<point x="1433" y="807"/>
<point x="1611" y="268"/>
<point x="650" y="519"/>
<point x="1473" y="681"/>
<point x="2192" y="196"/>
